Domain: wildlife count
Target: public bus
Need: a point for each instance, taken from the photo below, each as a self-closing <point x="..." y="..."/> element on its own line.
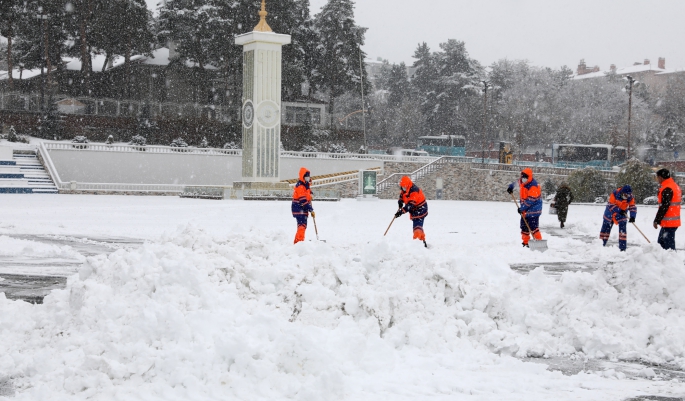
<point x="444" y="145"/>
<point x="569" y="155"/>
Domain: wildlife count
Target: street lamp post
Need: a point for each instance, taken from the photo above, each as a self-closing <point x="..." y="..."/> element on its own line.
<point x="631" y="82"/>
<point x="361" y="74"/>
<point x="486" y="84"/>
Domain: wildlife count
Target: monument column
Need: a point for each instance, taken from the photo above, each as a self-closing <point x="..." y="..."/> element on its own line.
<point x="261" y="112"/>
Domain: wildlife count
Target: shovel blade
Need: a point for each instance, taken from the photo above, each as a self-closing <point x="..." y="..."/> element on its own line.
<point x="539" y="245"/>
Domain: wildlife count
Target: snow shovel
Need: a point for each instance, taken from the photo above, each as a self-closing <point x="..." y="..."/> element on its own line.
<point x="537" y="244"/>
<point x="643" y="234"/>
<point x="390" y="225"/>
<point x="316" y="230"/>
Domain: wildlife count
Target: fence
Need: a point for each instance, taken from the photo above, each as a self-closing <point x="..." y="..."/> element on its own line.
<point x="32" y="102"/>
<point x="50" y="145"/>
<point x="356" y="156"/>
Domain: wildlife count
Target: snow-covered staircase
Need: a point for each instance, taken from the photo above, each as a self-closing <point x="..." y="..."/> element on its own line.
<point x="25" y="175"/>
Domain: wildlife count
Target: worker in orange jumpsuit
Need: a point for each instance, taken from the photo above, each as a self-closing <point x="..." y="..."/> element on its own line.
<point x="531" y="206"/>
<point x="668" y="216"/>
<point x="620" y="203"/>
<point x="302" y="203"/>
<point x="413" y="201"/>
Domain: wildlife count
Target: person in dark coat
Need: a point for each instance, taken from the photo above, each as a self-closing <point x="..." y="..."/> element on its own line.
<point x="562" y="199"/>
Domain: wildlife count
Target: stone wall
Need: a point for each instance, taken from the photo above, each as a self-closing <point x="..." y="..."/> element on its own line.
<point x="467" y="181"/>
<point x="460" y="182"/>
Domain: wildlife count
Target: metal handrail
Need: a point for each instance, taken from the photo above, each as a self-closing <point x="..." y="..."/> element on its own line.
<point x="536" y="169"/>
<point x="423" y="171"/>
<point x="336" y="179"/>
<point x="358" y="156"/>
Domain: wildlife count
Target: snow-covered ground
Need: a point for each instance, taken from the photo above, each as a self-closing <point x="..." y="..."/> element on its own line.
<point x="218" y="304"/>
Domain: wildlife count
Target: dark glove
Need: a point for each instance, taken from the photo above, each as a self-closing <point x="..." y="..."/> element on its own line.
<point x="518" y="210"/>
<point x="398" y="214"/>
<point x="623" y="213"/>
<point x="632" y="220"/>
<point x="510" y="190"/>
<point x="400" y="204"/>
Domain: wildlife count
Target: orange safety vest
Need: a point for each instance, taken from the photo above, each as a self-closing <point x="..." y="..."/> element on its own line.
<point x="672" y="217"/>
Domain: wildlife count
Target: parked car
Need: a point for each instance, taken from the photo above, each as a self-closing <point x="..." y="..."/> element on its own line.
<point x="651" y="200"/>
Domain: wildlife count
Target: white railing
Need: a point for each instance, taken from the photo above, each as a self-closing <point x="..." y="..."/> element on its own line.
<point x="106" y="187"/>
<point x="86" y="186"/>
<point x="47" y="160"/>
<point x="357" y="156"/>
<point x="101" y="147"/>
<point x="416" y="175"/>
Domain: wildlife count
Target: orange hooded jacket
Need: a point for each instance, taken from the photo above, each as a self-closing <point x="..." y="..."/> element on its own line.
<point x="414" y="200"/>
<point x="302" y="195"/>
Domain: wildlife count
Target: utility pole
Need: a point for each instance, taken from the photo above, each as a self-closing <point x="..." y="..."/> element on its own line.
<point x="361" y="74"/>
<point x="631" y="82"/>
<point x="485" y="116"/>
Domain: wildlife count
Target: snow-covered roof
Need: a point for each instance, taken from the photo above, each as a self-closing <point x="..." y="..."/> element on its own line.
<point x="27" y="74"/>
<point x="678" y="71"/>
<point x="633" y="69"/>
<point x="74" y="64"/>
<point x="160" y="57"/>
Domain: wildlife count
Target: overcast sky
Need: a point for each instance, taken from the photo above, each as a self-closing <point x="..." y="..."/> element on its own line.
<point x="548" y="33"/>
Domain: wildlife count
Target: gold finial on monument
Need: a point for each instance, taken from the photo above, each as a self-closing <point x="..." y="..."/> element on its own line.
<point x="263" y="26"/>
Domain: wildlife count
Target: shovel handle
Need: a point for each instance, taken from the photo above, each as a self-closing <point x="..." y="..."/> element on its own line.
<point x="524" y="218"/>
<point x="390" y="225"/>
<point x="643" y="234"/>
<point x="316" y="230"/>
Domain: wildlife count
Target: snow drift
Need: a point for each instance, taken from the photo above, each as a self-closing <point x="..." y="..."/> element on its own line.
<point x="252" y="316"/>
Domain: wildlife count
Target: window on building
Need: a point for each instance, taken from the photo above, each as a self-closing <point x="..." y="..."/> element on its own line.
<point x="298" y="115"/>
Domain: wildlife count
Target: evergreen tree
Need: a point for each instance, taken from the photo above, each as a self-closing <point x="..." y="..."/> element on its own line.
<point x="640" y="177"/>
<point x="458" y="83"/>
<point x="341" y="40"/>
<point x="425" y="83"/>
<point x="12" y="135"/>
<point x="188" y="24"/>
<point x="291" y="17"/>
<point x="398" y="85"/>
<point x="79" y="21"/>
<point x="587" y="184"/>
<point x="41" y="37"/>
<point x="9" y="20"/>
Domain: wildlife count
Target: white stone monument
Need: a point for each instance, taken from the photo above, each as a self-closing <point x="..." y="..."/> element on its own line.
<point x="261" y="113"/>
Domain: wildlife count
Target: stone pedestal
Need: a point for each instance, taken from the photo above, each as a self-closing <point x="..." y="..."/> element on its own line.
<point x="255" y="190"/>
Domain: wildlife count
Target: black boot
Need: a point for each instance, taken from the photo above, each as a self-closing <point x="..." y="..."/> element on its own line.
<point x="562" y="224"/>
<point x="425" y="244"/>
<point x="525" y="245"/>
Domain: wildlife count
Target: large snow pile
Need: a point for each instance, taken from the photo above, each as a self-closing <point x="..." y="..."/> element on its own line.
<point x="251" y="316"/>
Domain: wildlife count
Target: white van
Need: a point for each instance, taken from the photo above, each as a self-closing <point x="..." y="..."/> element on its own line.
<point x="408" y="152"/>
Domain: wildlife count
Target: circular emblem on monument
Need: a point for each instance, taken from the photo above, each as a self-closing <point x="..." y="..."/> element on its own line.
<point x="248" y="114"/>
<point x="268" y="114"/>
